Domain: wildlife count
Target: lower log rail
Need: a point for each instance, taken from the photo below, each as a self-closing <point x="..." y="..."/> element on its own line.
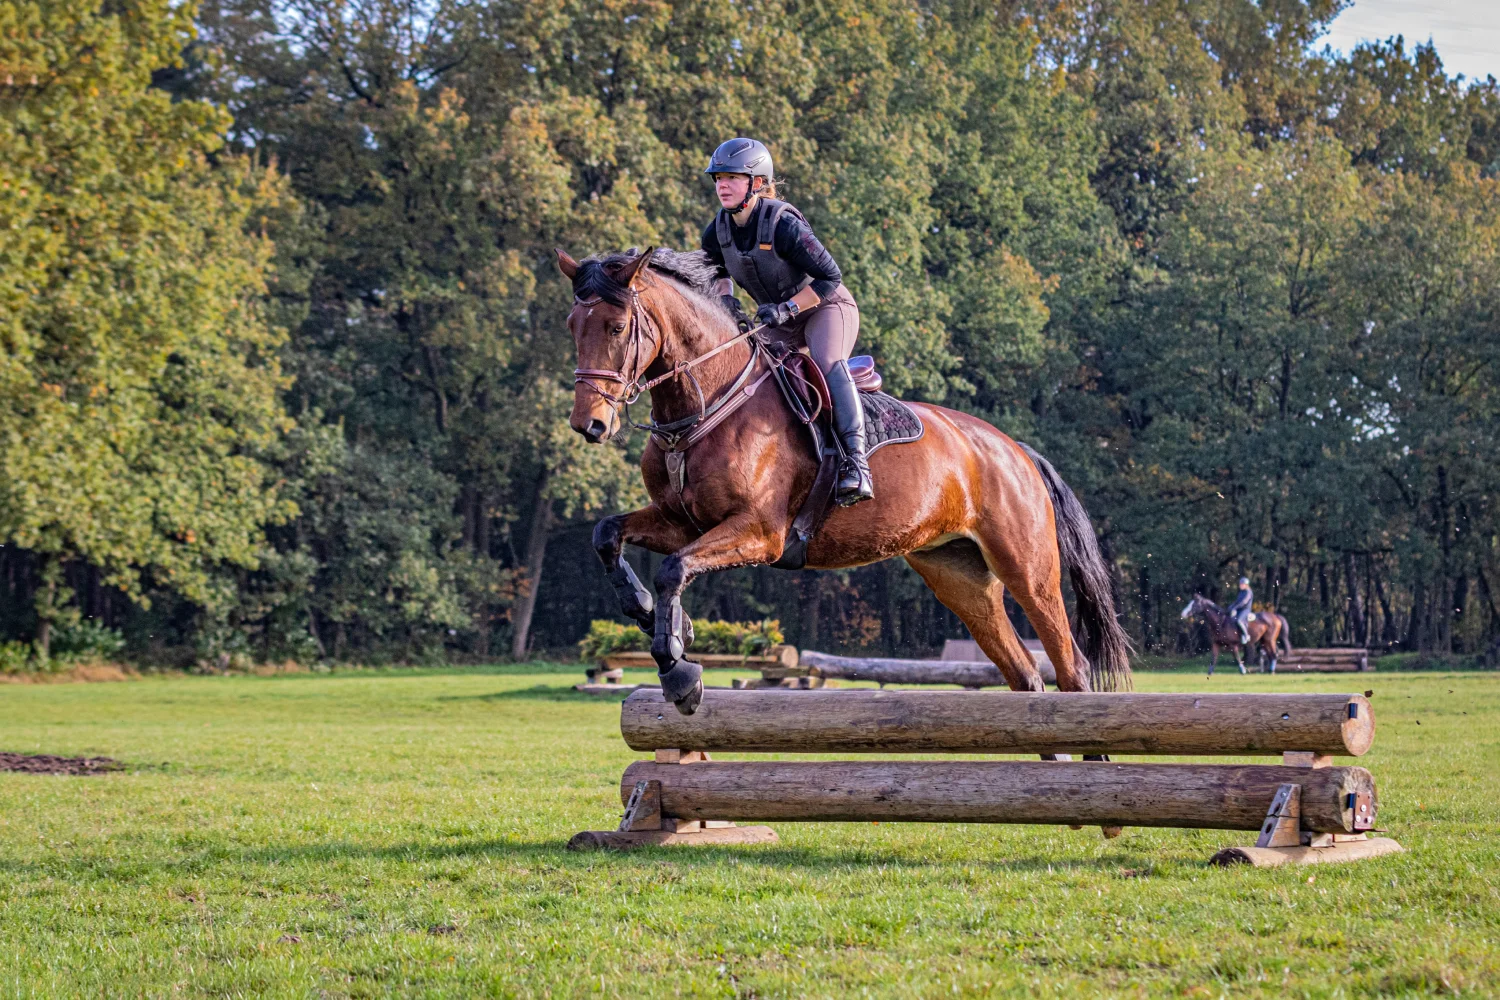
<point x="1196" y="796"/>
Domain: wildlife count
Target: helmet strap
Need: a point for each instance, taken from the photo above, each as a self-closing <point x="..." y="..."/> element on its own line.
<point x="750" y="192"/>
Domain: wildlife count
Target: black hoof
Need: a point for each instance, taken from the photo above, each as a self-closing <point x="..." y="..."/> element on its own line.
<point x="683" y="686"/>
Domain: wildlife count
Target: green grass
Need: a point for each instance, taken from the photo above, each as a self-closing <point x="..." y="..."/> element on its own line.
<point x="378" y="833"/>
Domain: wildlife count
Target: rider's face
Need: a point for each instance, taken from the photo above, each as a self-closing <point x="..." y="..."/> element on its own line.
<point x="731" y="189"/>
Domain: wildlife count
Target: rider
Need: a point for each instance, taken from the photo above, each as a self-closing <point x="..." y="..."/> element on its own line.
<point x="769" y="249"/>
<point x="1240" y="609"/>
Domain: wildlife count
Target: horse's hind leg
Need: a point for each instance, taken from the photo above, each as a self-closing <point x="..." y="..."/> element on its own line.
<point x="646" y="527"/>
<point x="957" y="574"/>
<point x="960" y="577"/>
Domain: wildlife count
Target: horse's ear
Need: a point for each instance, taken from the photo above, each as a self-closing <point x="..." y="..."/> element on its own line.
<point x="567" y="265"/>
<point x="633" y="270"/>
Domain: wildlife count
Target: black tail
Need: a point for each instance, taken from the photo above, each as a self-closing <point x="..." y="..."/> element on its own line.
<point x="1096" y="629"/>
<point x="1286" y="633"/>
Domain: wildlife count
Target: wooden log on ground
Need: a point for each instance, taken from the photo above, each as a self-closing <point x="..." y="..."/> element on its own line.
<point x="881" y="670"/>
<point x="624" y="840"/>
<point x="780" y="657"/>
<point x="866" y="721"/>
<point x="1204" y="796"/>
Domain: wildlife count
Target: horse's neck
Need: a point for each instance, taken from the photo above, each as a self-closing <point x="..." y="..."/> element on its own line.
<point x="687" y="336"/>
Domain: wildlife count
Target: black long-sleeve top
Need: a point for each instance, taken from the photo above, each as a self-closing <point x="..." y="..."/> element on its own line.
<point x="793" y="240"/>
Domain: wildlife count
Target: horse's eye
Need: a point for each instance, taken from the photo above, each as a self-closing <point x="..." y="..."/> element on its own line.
<point x="619" y="328"/>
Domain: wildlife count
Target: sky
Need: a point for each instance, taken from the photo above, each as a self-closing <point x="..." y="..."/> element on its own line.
<point x="1466" y="32"/>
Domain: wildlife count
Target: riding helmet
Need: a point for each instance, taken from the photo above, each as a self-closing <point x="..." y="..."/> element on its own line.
<point x="742" y="156"/>
<point x="1244" y="580"/>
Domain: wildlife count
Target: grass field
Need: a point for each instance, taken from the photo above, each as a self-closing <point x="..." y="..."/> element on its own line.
<point x="401" y="833"/>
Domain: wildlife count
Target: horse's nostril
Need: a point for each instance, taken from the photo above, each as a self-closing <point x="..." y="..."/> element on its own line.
<point x="595" y="430"/>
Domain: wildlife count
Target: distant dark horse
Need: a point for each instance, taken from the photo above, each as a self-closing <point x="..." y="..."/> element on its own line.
<point x="1264" y="629"/>
<point x="975" y="513"/>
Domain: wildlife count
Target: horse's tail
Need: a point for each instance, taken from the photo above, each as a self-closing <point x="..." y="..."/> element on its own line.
<point x="1286" y="633"/>
<point x="1096" y="629"/>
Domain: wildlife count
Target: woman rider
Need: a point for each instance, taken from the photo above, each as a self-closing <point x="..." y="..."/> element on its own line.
<point x="769" y="249"/>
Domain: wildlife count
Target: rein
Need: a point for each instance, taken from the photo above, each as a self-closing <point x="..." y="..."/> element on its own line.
<point x="675" y="433"/>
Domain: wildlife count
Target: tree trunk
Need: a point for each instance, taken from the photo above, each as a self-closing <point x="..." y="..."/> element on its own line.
<point x="1356" y="606"/>
<point x="1388" y="626"/>
<point x="1443" y="623"/>
<point x="811" y="586"/>
<point x="1325" y="599"/>
<point x="888" y="608"/>
<point x="1416" y="637"/>
<point x="536" y="551"/>
<point x="1143" y="588"/>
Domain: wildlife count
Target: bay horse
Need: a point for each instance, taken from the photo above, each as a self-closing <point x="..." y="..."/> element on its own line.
<point x="1265" y="629"/>
<point x="971" y="510"/>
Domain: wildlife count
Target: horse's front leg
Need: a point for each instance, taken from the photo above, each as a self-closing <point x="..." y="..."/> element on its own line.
<point x="739" y="541"/>
<point x="650" y="529"/>
<point x="1214" y="662"/>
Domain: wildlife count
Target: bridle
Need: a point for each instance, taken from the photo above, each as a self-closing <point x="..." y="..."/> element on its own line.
<point x="640" y="322"/>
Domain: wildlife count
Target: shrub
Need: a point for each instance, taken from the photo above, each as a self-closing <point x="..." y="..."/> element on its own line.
<point x="741" y="638"/>
<point x="15" y="657"/>
<point x="86" y="640"/>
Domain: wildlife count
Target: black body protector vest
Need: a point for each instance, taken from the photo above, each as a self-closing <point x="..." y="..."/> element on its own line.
<point x="767" y="277"/>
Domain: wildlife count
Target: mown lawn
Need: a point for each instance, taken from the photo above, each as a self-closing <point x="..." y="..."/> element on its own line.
<point x="402" y="833"/>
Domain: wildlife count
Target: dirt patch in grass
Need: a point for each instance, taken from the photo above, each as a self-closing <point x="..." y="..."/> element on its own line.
<point x="46" y="763"/>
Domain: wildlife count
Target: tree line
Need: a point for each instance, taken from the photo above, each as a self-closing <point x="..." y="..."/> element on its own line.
<point x="285" y="372"/>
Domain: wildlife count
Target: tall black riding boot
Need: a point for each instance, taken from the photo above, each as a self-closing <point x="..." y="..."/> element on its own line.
<point x="854" y="483"/>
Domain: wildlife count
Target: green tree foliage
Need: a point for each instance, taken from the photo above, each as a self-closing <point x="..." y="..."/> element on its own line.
<point x="1240" y="290"/>
<point x="139" y="379"/>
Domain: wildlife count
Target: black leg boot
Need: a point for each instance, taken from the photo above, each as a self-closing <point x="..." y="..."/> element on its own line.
<point x="854" y="482"/>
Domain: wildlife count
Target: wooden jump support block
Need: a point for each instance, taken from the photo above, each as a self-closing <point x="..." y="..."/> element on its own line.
<point x="1306" y="809"/>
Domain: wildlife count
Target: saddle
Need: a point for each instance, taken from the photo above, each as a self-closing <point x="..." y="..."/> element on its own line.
<point x="887" y="421"/>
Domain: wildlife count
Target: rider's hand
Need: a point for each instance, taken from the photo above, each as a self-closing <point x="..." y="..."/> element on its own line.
<point x="732" y="303"/>
<point x="776" y="313"/>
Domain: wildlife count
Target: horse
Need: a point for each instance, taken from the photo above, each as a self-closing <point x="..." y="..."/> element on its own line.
<point x="972" y="511"/>
<point x="1264" y="631"/>
<point x="1284" y="634"/>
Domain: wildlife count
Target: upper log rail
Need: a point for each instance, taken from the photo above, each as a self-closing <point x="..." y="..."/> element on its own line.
<point x="865" y="721"/>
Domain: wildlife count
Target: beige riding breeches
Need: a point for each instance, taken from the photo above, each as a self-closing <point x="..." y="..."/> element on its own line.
<point x="831" y="328"/>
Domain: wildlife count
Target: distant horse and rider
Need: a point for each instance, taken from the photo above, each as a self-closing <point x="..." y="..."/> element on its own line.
<point x="744" y="468"/>
<point x="1241" y="629"/>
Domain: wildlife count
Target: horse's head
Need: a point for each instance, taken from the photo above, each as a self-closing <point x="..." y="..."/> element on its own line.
<point x="614" y="339"/>
<point x="1195" y="606"/>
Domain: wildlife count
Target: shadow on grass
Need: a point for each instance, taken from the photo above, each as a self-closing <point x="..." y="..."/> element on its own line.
<point x="537" y="692"/>
<point x="1121" y="859"/>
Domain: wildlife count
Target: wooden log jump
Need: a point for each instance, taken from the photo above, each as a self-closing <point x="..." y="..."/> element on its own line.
<point x="866" y="721"/>
<point x="882" y="670"/>
<point x="1305" y="809"/>
<point x="1082" y="793"/>
<point x="1338" y="660"/>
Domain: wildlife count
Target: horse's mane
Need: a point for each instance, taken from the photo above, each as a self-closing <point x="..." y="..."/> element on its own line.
<point x="594" y="277"/>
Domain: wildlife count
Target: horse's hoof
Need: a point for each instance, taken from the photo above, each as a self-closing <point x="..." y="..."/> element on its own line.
<point x="683" y="686"/>
<point x="689" y="705"/>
